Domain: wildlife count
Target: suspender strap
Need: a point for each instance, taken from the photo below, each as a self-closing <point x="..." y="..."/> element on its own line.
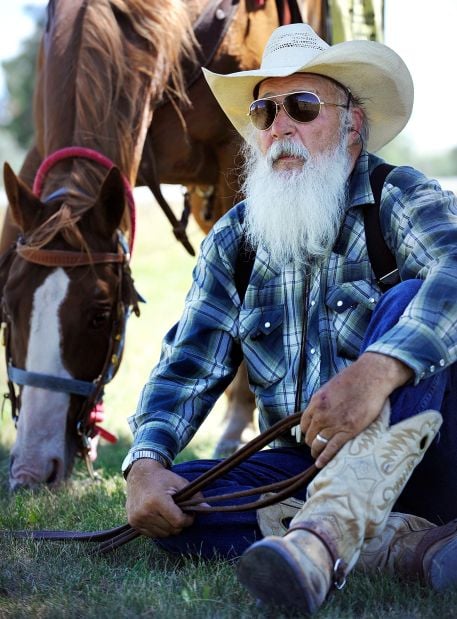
<point x="243" y="266"/>
<point x="382" y="260"/>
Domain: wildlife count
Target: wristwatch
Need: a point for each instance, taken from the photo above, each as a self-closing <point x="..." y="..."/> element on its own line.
<point x="130" y="458"/>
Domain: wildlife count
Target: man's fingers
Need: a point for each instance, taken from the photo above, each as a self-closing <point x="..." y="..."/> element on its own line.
<point x="319" y="441"/>
<point x="158" y="526"/>
<point x="332" y="448"/>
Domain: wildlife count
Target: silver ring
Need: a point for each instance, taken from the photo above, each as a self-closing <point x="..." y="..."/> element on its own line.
<point x="321" y="439"/>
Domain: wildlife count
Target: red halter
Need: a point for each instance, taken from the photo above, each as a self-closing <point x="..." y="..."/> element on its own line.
<point x="86" y="153"/>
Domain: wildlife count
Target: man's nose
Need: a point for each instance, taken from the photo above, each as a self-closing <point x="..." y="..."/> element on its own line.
<point x="282" y="125"/>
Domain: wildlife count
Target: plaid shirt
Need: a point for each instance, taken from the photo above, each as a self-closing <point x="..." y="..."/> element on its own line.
<point x="200" y="354"/>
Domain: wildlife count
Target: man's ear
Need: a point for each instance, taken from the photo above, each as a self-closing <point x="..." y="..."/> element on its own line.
<point x="356" y="126"/>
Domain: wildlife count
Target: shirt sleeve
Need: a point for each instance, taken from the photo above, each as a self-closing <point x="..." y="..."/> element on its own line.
<point x="199" y="358"/>
<point x="419" y="221"/>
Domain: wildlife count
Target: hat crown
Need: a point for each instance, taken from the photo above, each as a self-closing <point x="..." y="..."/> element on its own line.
<point x="292" y="45"/>
<point x="370" y="70"/>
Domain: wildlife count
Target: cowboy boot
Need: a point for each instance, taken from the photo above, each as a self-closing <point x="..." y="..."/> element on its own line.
<point x="350" y="499"/>
<point x="409" y="547"/>
<point x="415" y="550"/>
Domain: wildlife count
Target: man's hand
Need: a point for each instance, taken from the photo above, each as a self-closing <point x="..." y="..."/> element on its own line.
<point x="150" y="505"/>
<point x="349" y="402"/>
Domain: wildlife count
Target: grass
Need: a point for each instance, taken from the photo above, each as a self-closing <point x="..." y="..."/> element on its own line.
<point x="53" y="580"/>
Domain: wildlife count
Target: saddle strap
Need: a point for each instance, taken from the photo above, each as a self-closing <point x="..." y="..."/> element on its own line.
<point x="110" y="539"/>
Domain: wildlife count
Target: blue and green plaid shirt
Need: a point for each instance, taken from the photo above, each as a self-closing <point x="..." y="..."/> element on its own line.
<point x="200" y="353"/>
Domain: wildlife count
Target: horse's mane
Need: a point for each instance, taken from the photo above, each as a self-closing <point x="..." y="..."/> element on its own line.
<point x="129" y="52"/>
<point x="124" y="55"/>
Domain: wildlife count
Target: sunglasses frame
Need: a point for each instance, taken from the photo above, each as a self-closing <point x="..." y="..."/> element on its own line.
<point x="280" y="105"/>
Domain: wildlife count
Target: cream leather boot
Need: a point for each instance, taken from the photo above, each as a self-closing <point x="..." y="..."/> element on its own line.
<point x="349" y="500"/>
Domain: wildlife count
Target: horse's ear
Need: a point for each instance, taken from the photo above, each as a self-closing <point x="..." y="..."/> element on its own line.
<point x="108" y="210"/>
<point x="26" y="208"/>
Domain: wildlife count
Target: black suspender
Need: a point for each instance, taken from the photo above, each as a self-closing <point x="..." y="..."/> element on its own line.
<point x="382" y="260"/>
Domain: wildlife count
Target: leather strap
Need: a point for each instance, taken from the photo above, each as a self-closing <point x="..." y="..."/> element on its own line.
<point x="316" y="528"/>
<point x="110" y="539"/>
<point x="61" y="258"/>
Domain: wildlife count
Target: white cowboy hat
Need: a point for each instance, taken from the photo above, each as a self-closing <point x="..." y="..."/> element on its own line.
<point x="372" y="71"/>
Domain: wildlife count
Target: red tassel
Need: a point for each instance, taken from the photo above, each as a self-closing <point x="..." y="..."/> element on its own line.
<point x="97" y="415"/>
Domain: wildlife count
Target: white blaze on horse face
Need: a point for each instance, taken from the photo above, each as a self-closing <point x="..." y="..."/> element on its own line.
<point x="39" y="450"/>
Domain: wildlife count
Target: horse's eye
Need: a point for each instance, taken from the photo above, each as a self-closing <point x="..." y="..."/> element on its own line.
<point x="100" y="319"/>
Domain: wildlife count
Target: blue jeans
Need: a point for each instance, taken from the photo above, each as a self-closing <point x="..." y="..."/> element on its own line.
<point x="431" y="491"/>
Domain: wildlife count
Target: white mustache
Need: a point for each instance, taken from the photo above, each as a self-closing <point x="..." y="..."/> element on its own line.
<point x="286" y="148"/>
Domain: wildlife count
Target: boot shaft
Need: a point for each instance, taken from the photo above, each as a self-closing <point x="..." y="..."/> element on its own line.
<point x="353" y="495"/>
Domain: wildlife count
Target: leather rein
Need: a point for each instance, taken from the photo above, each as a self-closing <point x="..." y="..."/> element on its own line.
<point x="110" y="539"/>
<point x="92" y="391"/>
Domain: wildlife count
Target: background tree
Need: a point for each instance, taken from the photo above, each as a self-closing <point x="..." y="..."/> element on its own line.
<point x="16" y="117"/>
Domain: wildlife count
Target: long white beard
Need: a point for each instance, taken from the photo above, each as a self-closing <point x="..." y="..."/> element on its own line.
<point x="295" y="215"/>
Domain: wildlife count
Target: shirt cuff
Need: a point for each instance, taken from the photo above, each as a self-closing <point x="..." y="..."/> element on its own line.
<point x="416" y="345"/>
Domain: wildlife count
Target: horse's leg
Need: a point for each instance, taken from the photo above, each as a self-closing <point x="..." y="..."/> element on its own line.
<point x="27" y="173"/>
<point x="238" y="416"/>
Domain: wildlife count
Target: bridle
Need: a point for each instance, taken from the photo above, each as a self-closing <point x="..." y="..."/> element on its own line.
<point x="91" y="391"/>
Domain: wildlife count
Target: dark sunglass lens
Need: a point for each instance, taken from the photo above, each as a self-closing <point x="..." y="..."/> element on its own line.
<point x="302" y="106"/>
<point x="262" y="113"/>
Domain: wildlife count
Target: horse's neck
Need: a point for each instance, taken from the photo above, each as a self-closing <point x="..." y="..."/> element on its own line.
<point x="100" y="75"/>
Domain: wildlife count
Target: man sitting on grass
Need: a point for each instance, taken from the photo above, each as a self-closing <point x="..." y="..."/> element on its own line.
<point x="368" y="365"/>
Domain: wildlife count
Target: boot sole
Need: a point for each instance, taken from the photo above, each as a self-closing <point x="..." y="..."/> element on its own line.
<point x="274" y="578"/>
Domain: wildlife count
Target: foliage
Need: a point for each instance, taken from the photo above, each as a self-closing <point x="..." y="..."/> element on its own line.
<point x="20" y="82"/>
<point x="10" y="151"/>
<point x="400" y="152"/>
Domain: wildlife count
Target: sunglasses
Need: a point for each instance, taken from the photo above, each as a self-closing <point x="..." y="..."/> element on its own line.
<point x="302" y="107"/>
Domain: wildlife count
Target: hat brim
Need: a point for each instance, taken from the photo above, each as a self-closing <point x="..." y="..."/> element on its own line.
<point x="373" y="72"/>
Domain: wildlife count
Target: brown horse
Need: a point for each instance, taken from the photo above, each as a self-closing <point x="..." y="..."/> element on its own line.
<point x="66" y="291"/>
<point x="104" y="67"/>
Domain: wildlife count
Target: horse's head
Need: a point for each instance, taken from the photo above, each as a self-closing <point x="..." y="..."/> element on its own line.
<point x="65" y="290"/>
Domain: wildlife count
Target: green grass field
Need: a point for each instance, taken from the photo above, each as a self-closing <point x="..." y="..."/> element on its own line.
<point x="53" y="580"/>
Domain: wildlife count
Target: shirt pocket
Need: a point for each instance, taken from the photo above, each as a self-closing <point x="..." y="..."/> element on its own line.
<point x="261" y="335"/>
<point x="350" y="306"/>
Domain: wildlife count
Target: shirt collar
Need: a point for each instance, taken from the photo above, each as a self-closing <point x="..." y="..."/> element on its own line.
<point x="359" y="182"/>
